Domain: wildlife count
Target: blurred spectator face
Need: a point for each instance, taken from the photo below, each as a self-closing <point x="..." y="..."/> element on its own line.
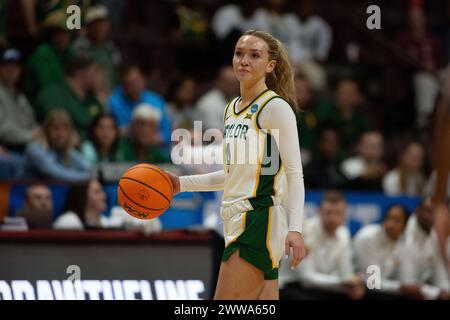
<point x="425" y="216"/>
<point x="417" y="20"/>
<point x="186" y="92"/>
<point x="227" y="83"/>
<point x="59" y="134"/>
<point x="106" y="133"/>
<point x="39" y="197"/>
<point x="90" y="76"/>
<point x="96" y="197"/>
<point x="99" y="30"/>
<point x="145" y="132"/>
<point x="302" y="91"/>
<point x="395" y="222"/>
<point x="329" y="144"/>
<point x="61" y="39"/>
<point x="133" y="83"/>
<point x="413" y="157"/>
<point x="347" y="95"/>
<point x="371" y="146"/>
<point x="333" y="215"/>
<point x="10" y="73"/>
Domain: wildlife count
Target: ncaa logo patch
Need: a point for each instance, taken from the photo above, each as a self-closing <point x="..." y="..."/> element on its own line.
<point x="254" y="108"/>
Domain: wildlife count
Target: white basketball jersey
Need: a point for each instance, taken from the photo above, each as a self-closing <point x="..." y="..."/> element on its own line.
<point x="252" y="163"/>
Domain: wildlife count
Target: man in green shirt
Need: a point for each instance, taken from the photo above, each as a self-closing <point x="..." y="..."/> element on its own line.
<point x="74" y="94"/>
<point x="46" y="64"/>
<point x="97" y="44"/>
<point x="141" y="145"/>
<point x="342" y="112"/>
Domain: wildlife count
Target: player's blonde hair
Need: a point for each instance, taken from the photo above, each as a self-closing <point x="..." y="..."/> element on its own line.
<point x="281" y="79"/>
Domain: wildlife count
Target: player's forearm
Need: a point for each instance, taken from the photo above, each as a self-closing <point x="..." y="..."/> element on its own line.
<point x="213" y="181"/>
<point x="283" y="126"/>
<point x="296" y="199"/>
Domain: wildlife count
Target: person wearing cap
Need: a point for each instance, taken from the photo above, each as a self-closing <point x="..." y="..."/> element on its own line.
<point x="37" y="12"/>
<point x="142" y="143"/>
<point x="17" y="121"/>
<point x="97" y="44"/>
<point x="74" y="94"/>
<point x="46" y="65"/>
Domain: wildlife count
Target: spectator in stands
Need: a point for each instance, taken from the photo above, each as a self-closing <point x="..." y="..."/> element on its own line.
<point x="52" y="155"/>
<point x="46" y="64"/>
<point x="103" y="140"/>
<point x="327" y="270"/>
<point x="86" y="207"/>
<point x="74" y="94"/>
<point x="275" y="15"/>
<point x="17" y="121"/>
<point x="407" y="178"/>
<point x="383" y="246"/>
<point x="37" y="12"/>
<point x="422" y="264"/>
<point x="190" y="34"/>
<point x="131" y="93"/>
<point x="310" y="44"/>
<point x="424" y="51"/>
<point x="143" y="142"/>
<point x="210" y="106"/>
<point x="231" y="21"/>
<point x="180" y="106"/>
<point x="97" y="44"/>
<point x="38" y="197"/>
<point x="343" y="111"/>
<point x="366" y="170"/>
<point x="323" y="171"/>
<point x="237" y="18"/>
<point x="307" y="121"/>
<point x="313" y="35"/>
<point x="38" y="207"/>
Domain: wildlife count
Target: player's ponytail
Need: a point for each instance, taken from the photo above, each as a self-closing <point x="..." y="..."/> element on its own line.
<point x="281" y="79"/>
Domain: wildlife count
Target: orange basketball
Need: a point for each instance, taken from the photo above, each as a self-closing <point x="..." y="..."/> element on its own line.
<point x="145" y="191"/>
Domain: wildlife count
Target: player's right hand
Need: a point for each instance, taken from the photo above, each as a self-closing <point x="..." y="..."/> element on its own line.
<point x="175" y="182"/>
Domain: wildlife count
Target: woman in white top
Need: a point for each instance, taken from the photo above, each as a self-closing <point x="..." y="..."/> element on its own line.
<point x="407" y="179"/>
<point x="261" y="159"/>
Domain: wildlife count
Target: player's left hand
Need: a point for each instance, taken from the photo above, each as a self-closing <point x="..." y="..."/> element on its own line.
<point x="295" y="241"/>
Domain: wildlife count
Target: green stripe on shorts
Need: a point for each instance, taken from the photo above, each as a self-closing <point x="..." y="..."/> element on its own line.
<point x="252" y="243"/>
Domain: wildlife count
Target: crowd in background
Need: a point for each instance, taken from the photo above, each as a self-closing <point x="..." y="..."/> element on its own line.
<point x="113" y="92"/>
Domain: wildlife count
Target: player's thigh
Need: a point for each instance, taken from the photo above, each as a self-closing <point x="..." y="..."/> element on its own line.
<point x="270" y="290"/>
<point x="238" y="279"/>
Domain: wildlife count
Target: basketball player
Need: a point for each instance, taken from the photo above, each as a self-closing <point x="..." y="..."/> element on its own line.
<point x="257" y="230"/>
<point x="441" y="153"/>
